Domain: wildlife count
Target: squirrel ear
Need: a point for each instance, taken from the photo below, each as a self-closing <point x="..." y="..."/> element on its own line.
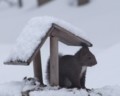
<point x="84" y="50"/>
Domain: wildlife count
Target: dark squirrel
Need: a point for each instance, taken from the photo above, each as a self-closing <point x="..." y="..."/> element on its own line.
<point x="72" y="68"/>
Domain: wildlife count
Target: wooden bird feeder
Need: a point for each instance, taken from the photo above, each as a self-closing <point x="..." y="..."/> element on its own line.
<point x="56" y="33"/>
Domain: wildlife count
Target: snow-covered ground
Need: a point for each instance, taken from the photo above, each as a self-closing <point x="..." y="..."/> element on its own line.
<point x="105" y="91"/>
<point x="99" y="19"/>
<point x="15" y="89"/>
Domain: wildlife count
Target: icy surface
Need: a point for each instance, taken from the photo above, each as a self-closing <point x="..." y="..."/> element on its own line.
<point x="32" y="34"/>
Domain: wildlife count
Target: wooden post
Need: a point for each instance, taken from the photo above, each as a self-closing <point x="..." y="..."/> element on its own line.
<point x="40" y="2"/>
<point x="54" y="66"/>
<point x="37" y="67"/>
<point x="20" y="3"/>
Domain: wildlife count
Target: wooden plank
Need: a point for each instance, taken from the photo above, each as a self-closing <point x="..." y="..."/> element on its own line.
<point x="68" y="37"/>
<point x="16" y="63"/>
<point x="38" y="67"/>
<point x="54" y="66"/>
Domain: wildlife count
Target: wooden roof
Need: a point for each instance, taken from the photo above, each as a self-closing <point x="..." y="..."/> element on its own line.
<point x="63" y="35"/>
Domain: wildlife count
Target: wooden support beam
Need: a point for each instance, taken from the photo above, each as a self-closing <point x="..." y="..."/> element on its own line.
<point x="38" y="67"/>
<point x="54" y="66"/>
<point x="68" y="37"/>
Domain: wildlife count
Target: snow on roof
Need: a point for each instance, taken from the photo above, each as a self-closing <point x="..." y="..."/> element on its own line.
<point x="31" y="36"/>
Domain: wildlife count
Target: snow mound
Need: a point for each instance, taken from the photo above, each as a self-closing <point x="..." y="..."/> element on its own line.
<point x="15" y="89"/>
<point x="32" y="34"/>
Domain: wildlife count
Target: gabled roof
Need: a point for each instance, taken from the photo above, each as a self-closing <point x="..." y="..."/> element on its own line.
<point x="64" y="35"/>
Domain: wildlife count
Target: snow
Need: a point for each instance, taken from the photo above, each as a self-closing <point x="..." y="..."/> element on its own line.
<point x="105" y="91"/>
<point x="61" y="92"/>
<point x="99" y="18"/>
<point x="15" y="89"/>
<point x="11" y="89"/>
<point x="107" y="68"/>
<point x="30" y="84"/>
<point x="12" y="73"/>
<point x="31" y="36"/>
